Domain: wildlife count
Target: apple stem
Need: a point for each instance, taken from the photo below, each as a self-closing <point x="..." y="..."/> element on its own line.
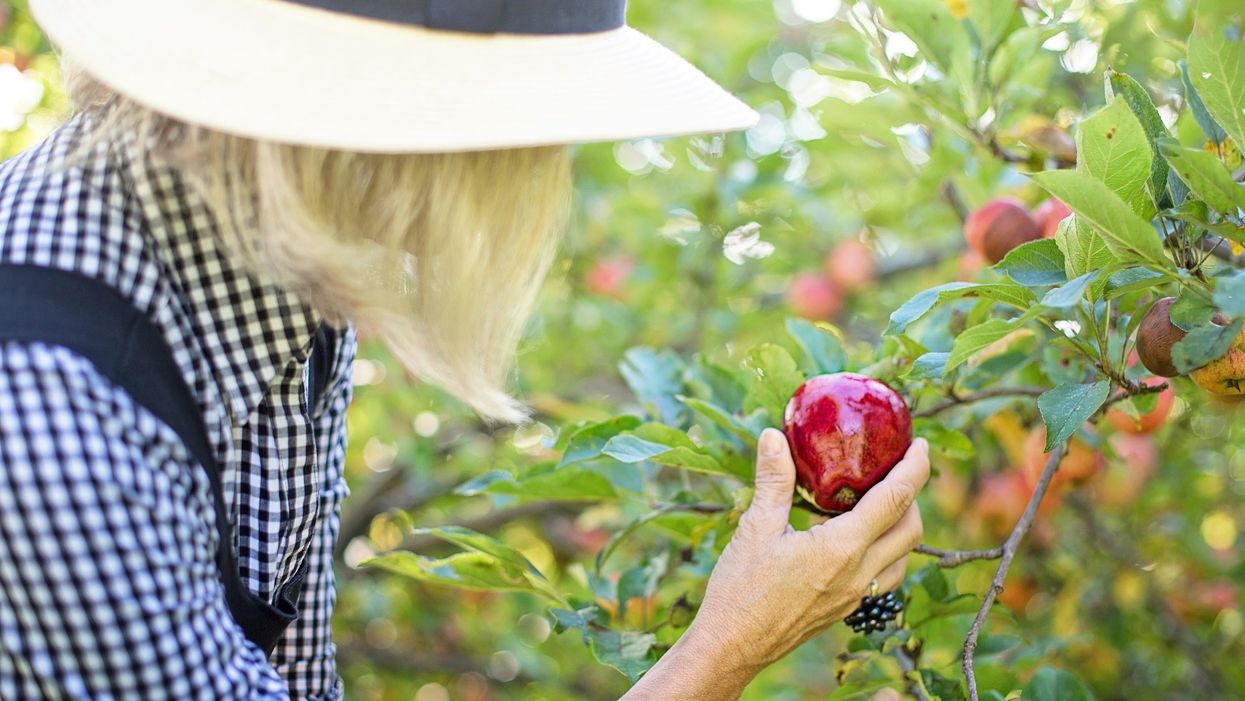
<point x="1009" y="552"/>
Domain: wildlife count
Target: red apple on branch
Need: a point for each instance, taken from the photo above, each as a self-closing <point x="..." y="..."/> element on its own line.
<point x="997" y="227"/>
<point x="815" y="298"/>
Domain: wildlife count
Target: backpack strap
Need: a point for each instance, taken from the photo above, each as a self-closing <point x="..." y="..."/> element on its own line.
<point x="90" y="318"/>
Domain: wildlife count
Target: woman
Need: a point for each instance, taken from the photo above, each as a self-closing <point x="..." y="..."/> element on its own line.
<point x="246" y="182"/>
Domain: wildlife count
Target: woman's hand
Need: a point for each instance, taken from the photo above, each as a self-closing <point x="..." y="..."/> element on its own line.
<point x="775" y="587"/>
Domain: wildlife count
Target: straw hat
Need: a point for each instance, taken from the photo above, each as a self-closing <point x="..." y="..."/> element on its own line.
<point x="394" y="75"/>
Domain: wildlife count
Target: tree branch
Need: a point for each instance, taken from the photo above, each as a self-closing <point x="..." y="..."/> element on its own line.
<point x="992" y="393"/>
<point x="1009" y="552"/>
<point x="955" y="558"/>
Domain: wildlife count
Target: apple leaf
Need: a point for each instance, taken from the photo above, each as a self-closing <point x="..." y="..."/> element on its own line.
<point x="980" y="336"/>
<point x="1190" y="311"/>
<point x="1217" y="71"/>
<point x="721" y="418"/>
<point x="1051" y="684"/>
<point x="1209" y="126"/>
<point x="1065" y="408"/>
<point x="663" y="445"/>
<point x="655" y="378"/>
<point x="919" y="304"/>
<point x="1083" y="249"/>
<point x="1035" y="264"/>
<point x="629" y="652"/>
<point x="1127" y="235"/>
<point x="1206" y="176"/>
<point x="467" y="570"/>
<point x="992" y="19"/>
<point x="820" y="344"/>
<point x="543" y="482"/>
<point x="1204" y="344"/>
<point x="1130" y="280"/>
<point x="931" y="26"/>
<point x="775" y="378"/>
<point x="1127" y="88"/>
<point x="587" y="442"/>
<point x="1230" y="294"/>
<point x="1070" y="293"/>
<point x="927" y="367"/>
<point x="1114" y="149"/>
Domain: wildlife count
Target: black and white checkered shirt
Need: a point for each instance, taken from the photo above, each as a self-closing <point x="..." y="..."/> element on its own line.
<point x="108" y="580"/>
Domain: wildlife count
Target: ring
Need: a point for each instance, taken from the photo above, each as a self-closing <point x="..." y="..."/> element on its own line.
<point x="873" y="588"/>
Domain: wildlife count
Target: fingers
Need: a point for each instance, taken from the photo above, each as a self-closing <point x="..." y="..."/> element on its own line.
<point x="775" y="482"/>
<point x="896" y="543"/>
<point x="886" y="503"/>
<point x="892" y="576"/>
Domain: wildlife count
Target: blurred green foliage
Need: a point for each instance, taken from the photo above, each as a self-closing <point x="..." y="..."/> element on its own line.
<point x="689" y="246"/>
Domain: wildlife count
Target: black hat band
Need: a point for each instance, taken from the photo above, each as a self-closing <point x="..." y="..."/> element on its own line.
<point x="489" y="16"/>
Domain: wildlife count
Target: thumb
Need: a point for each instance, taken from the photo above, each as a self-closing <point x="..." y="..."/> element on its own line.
<point x="775" y="482"/>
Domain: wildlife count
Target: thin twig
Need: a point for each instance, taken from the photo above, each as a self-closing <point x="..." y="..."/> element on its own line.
<point x="955" y="558"/>
<point x="1009" y="552"/>
<point x="992" y="393"/>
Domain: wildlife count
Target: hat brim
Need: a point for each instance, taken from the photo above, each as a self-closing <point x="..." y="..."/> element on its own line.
<point x="284" y="72"/>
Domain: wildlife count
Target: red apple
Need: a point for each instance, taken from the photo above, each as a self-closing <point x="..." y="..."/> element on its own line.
<point x="1151" y="420"/>
<point x="1049" y="214"/>
<point x="814" y="297"/>
<point x="997" y="227"/>
<point x="850" y="265"/>
<point x="1001" y="499"/>
<point x="1155" y="337"/>
<point x="607" y="276"/>
<point x="846" y="432"/>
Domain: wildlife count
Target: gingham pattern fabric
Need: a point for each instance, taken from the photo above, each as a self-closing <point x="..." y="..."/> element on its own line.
<point x="108" y="581"/>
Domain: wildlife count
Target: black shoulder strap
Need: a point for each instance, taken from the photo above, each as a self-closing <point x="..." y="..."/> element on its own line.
<point x="46" y="305"/>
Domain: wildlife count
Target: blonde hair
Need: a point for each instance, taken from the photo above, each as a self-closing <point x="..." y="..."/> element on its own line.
<point x="439" y="255"/>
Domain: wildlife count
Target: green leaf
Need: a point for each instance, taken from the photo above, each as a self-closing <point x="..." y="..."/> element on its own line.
<point x="1083" y="249"/>
<point x="720" y="417"/>
<point x="1113" y="148"/>
<point x="1036" y="263"/>
<point x="1217" y="71"/>
<point x="1190" y="311"/>
<point x="655" y="378"/>
<point x="1065" y="408"/>
<point x="980" y="336"/>
<point x="1127" y="235"/>
<point x="1206" y="176"/>
<point x="1209" y="126"/>
<point x="628" y="652"/>
<point x="474" y="571"/>
<point x="468" y="539"/>
<point x="992" y="19"/>
<point x="565" y="619"/>
<point x="631" y="448"/>
<point x="944" y="440"/>
<point x="587" y="442"/>
<point x="1131" y="280"/>
<point x="938" y="34"/>
<point x="640" y="581"/>
<point x="1204" y="344"/>
<point x="546" y="482"/>
<point x="1230" y="294"/>
<point x="1051" y="684"/>
<point x="928" y="367"/>
<point x="1143" y="108"/>
<point x="820" y="344"/>
<point x="1070" y="293"/>
<point x="775" y="378"/>
<point x="919" y="305"/>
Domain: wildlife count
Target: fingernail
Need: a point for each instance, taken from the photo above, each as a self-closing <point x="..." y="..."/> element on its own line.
<point x="770" y="444"/>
